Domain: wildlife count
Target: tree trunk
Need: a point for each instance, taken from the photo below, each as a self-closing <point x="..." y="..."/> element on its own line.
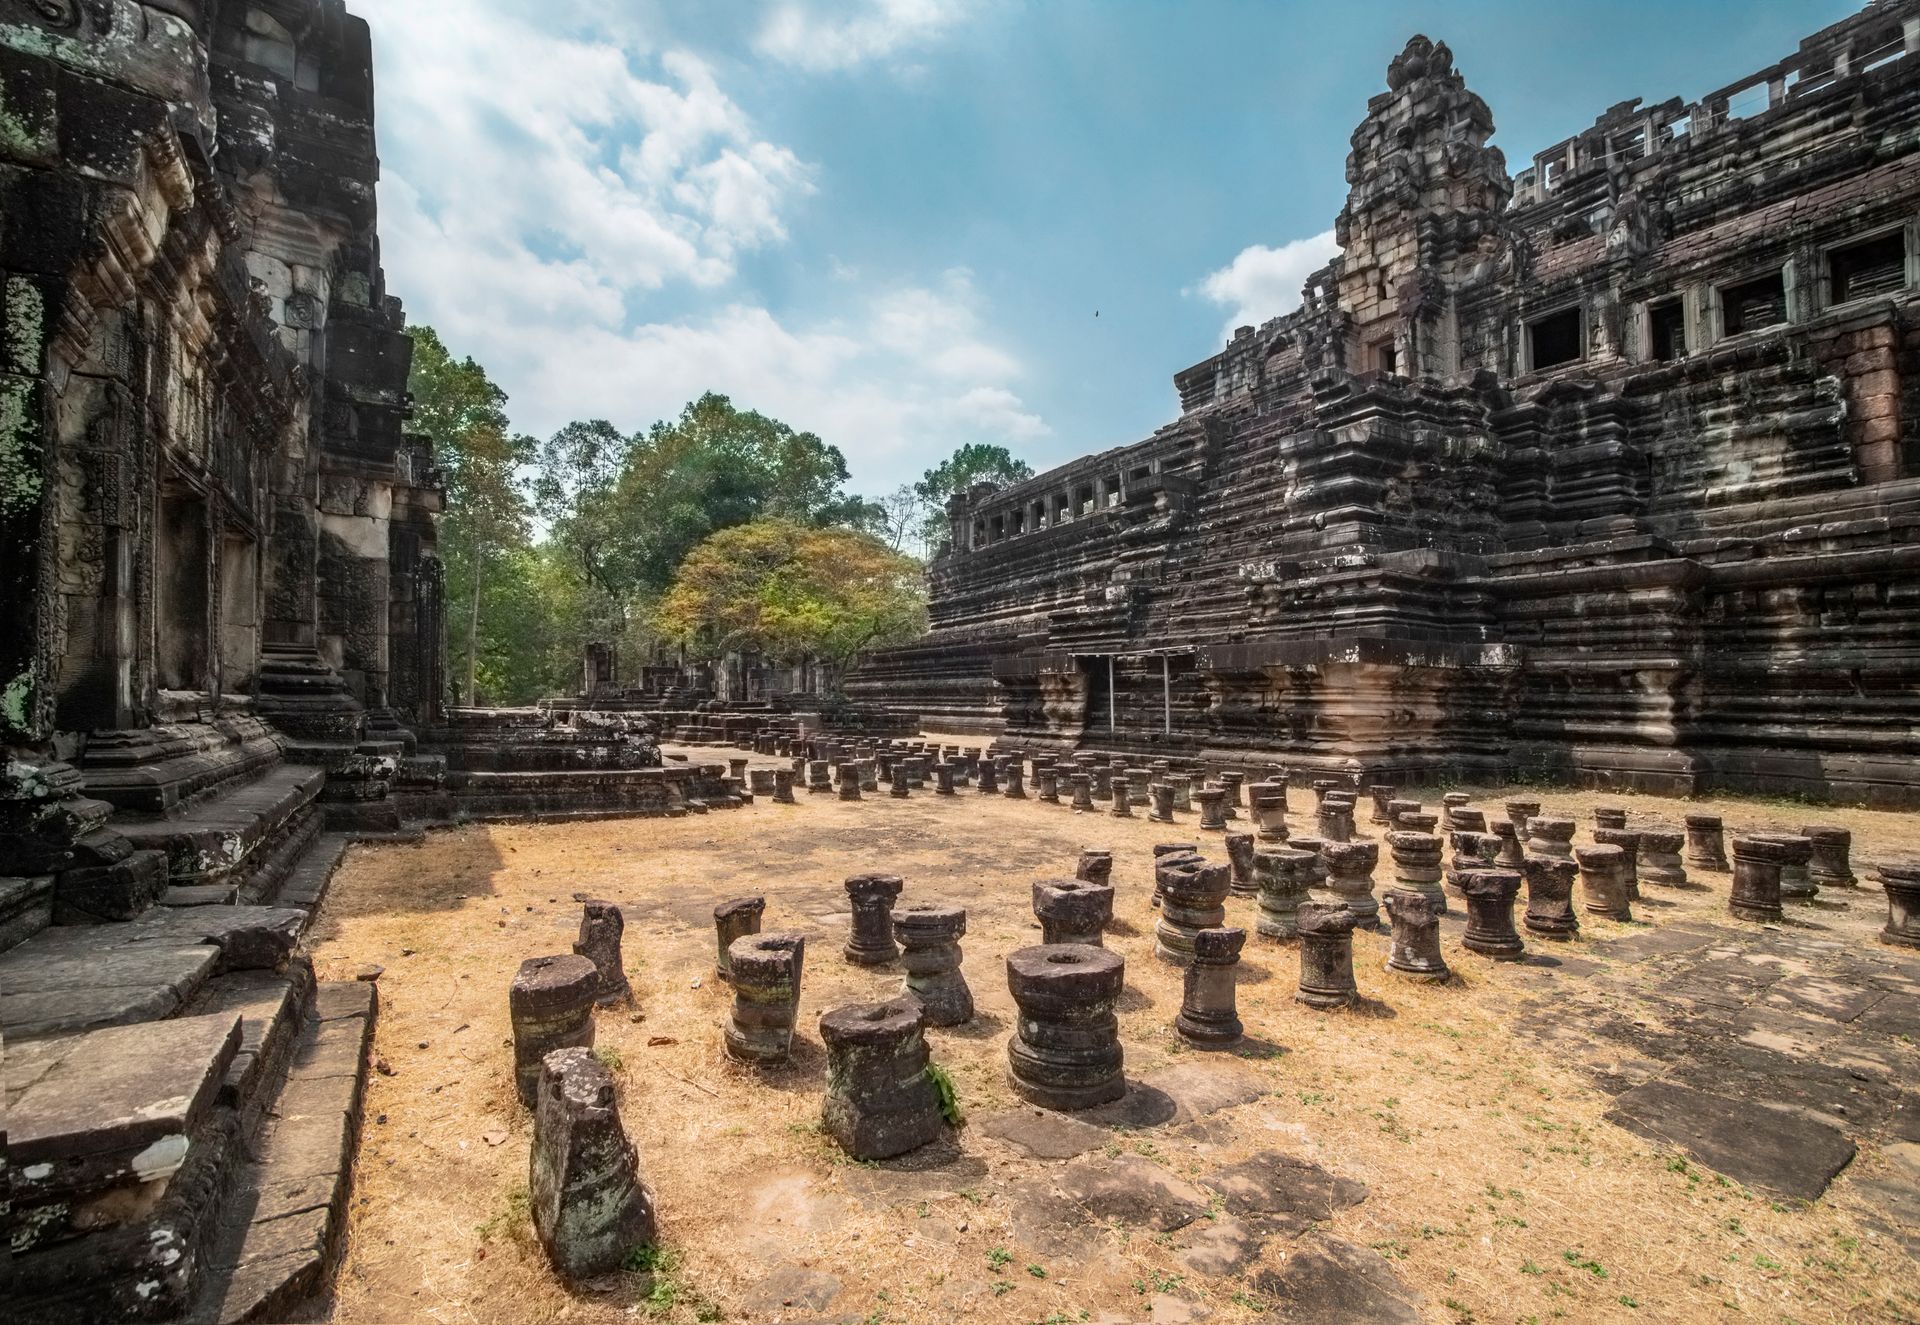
<point x="473" y="625"/>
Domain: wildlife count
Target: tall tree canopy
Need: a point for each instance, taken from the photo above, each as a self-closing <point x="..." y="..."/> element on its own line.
<point x="791" y="590"/>
<point x="974" y="462"/>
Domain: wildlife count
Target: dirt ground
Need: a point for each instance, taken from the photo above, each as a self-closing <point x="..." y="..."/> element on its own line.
<point x="1494" y="1188"/>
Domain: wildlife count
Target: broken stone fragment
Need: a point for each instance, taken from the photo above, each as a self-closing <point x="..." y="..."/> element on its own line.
<point x="590" y="1207"/>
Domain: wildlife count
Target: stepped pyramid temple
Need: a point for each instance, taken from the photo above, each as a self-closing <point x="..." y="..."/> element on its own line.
<point x="1606" y="470"/>
<point x="1604" y="473"/>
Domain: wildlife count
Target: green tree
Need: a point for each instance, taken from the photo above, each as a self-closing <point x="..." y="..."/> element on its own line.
<point x="974" y="462"/>
<point x="790" y="590"/>
<point x="456" y="404"/>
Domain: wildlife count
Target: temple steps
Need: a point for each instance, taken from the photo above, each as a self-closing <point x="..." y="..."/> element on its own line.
<point x="219" y="840"/>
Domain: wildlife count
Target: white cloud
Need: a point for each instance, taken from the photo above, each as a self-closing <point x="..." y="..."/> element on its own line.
<point x="1264" y="282"/>
<point x="825" y="37"/>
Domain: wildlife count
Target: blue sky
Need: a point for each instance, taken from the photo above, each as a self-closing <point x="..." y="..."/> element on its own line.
<point x="892" y="221"/>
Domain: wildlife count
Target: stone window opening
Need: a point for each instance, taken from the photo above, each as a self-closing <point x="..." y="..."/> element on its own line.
<point x="1113" y="490"/>
<point x="1555" y="339"/>
<point x="1754" y="304"/>
<point x="1083" y="499"/>
<point x="1891" y="47"/>
<point x="181" y="587"/>
<point x="1631" y="145"/>
<point x="997" y="529"/>
<point x="1867" y="267"/>
<point x="1386" y="357"/>
<point x="1062" y="509"/>
<point x="979" y="533"/>
<point x="1040" y="515"/>
<point x="1676" y="129"/>
<point x="1017" y="523"/>
<point x="1667" y="330"/>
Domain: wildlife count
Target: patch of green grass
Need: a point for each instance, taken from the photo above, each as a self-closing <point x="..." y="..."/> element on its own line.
<point x="943" y="1090"/>
<point x="1037" y="1271"/>
<point x="609" y="1057"/>
<point x="1001" y="1286"/>
<point x="514" y="1215"/>
<point x="1581" y="1262"/>
<point x="1528" y="1267"/>
<point x="998" y="1257"/>
<point x="1250" y="1302"/>
<point x="1166" y="1283"/>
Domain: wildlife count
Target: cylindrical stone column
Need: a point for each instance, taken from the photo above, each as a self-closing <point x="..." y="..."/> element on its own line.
<point x="1471" y="851"/>
<point x="550" y="1004"/>
<point x="1094" y="866"/>
<point x="1335" y="819"/>
<point x="1451" y="801"/>
<point x="943" y="778"/>
<point x="1321" y="786"/>
<point x="879" y="1101"/>
<point x="1628" y="840"/>
<point x="1490" y="931"/>
<point x="899" y="781"/>
<point x="1230" y="783"/>
<point x="1510" y="855"/>
<point x="1182" y="785"/>
<point x="1796" y="877"/>
<point x="1240" y="862"/>
<point x="1326" y="957"/>
<point x="1550" y="837"/>
<point x="1659" y="859"/>
<point x="1170" y="856"/>
<point x="1122" y="798"/>
<point x="1706" y="842"/>
<point x="1350" y="867"/>
<point x="737" y="768"/>
<point x="1282" y="877"/>
<point x="1520" y="814"/>
<point x="1609" y="816"/>
<point x="1191" y="900"/>
<point x="850" y="782"/>
<point x="1901" y="881"/>
<point x="987" y="774"/>
<point x="1550" y="912"/>
<point x="1139" y="784"/>
<point x="819" y="776"/>
<point x="733" y="919"/>
<point x="1046" y="785"/>
<point x="783" y="786"/>
<point x="1209" y="1017"/>
<point x="766" y="994"/>
<point x="1162" y="803"/>
<point x="1603" y="881"/>
<point x="760" y="781"/>
<point x="1213" y="805"/>
<point x="1380" y="793"/>
<point x="1267" y="803"/>
<point x="1758" y="861"/>
<point x="1399" y="809"/>
<point x="1830" y="866"/>
<point x="929" y="936"/>
<point x="1016" y="787"/>
<point x="1073" y="910"/>
<point x="1082" y="791"/>
<point x="1102" y="782"/>
<point x="1065" y="1051"/>
<point x="872" y="896"/>
<point x="1416" y="864"/>
<point x="1413" y="947"/>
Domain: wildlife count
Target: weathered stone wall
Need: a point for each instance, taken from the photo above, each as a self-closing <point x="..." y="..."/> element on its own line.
<point x="1609" y="470"/>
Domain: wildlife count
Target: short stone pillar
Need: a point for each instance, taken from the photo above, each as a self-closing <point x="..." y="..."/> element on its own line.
<point x="1182" y="785"/>
<point x="1122" y="798"/>
<point x="733" y="919"/>
<point x="1550" y="913"/>
<point x="1451" y="801"/>
<point x="1267" y="804"/>
<point x="869" y="773"/>
<point x="917" y="772"/>
<point x="987" y="780"/>
<point x="872" y="896"/>
<point x="1317" y="867"/>
<point x="1706" y="842"/>
<point x="601" y="929"/>
<point x="737" y="768"/>
<point x="1659" y="857"/>
<point x="1015" y="787"/>
<point x="1550" y="837"/>
<point x="1046" y="785"/>
<point x="1240" y="863"/>
<point x="879" y="1100"/>
<point x="1065" y="1051"/>
<point x="900" y="781"/>
<point x="1796" y="877"/>
<point x="1209" y="1017"/>
<point x="550" y="1004"/>
<point x="1830" y="866"/>
<point x="1213" y="808"/>
<point x="943" y="778"/>
<point x="1603" y="881"/>
<point x="1094" y="866"/>
<point x="1490" y="931"/>
<point x="766" y="995"/>
<point x="1321" y="786"/>
<point x="1082" y="790"/>
<point x="1073" y="910"/>
<point x="1230" y="782"/>
<point x="1520" y="814"/>
<point x="1628" y="840"/>
<point x="1350" y="867"/>
<point x="1191" y="900"/>
<point x="1398" y="810"/>
<point x="1418" y="823"/>
<point x="1162" y="811"/>
<point x="1413" y="947"/>
<point x="929" y="935"/>
<point x="1381" y="794"/>
<point x="1140" y="785"/>
<point x="1416" y="864"/>
<point x="588" y="1204"/>
<point x="1471" y="851"/>
<point x="1510" y="854"/>
<point x="1169" y="856"/>
<point x="1758" y="861"/>
<point x="1282" y="878"/>
<point x="850" y="782"/>
<point x="1901" y="880"/>
<point x="1609" y="816"/>
<point x="1335" y="819"/>
<point x="1102" y="782"/>
<point x="783" y="786"/>
<point x="1326" y="957"/>
<point x="819" y="776"/>
<point x="760" y="781"/>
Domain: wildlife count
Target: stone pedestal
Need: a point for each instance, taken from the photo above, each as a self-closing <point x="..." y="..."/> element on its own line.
<point x="1162" y="803"/>
<point x="1326" y="957"/>
<point x="988" y="783"/>
<point x="1550" y="912"/>
<point x="1399" y="809"/>
<point x="872" y="896"/>
<point x="819" y="776"/>
<point x="1182" y="785"/>
<point x="1706" y="842"/>
<point x="1416" y="864"/>
<point x="1609" y="816"/>
<point x="760" y="781"/>
<point x="1550" y="837"/>
<point x="1490" y="931"/>
<point x="1603" y="881"/>
<point x="589" y="1206"/>
<point x="1413" y="947"/>
<point x="1321" y="786"/>
<point x="1102" y="781"/>
<point x="1082" y="790"/>
<point x="1046" y="786"/>
<point x="601" y="929"/>
<point x="1758" y="862"/>
<point x="1094" y="866"/>
<point x="1628" y="840"/>
<point x="1240" y="863"/>
<point x="1335" y="820"/>
<point x="1901" y="880"/>
<point x="1191" y="900"/>
<point x="1511" y="854"/>
<point x="1520" y="814"/>
<point x="766" y="995"/>
<point x="1830" y="865"/>
<point x="1167" y="857"/>
<point x="1065" y="1051"/>
<point x="1380" y="794"/>
<point x="1122" y="798"/>
<point x="1267" y="803"/>
<point x="1659" y="857"/>
<point x="1471" y="851"/>
<point x="782" y="786"/>
<point x="899" y="781"/>
<point x="879" y="1100"/>
<point x="550" y="1004"/>
<point x="1015" y="788"/>
<point x="943" y="779"/>
<point x="869" y="774"/>
<point x="1281" y="878"/>
<point x="1450" y="802"/>
<point x="1350" y="867"/>
<point x="1213" y="808"/>
<point x="1230" y="783"/>
<point x="850" y="782"/>
<point x="733" y="919"/>
<point x="1209" y="1018"/>
<point x="1073" y="911"/>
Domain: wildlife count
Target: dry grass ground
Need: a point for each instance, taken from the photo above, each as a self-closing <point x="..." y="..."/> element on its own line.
<point x="1498" y="1190"/>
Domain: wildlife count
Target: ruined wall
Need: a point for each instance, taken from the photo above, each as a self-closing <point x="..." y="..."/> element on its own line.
<point x="1607" y="470"/>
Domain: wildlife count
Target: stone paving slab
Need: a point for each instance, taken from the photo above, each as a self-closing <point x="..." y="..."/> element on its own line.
<point x="50" y="992"/>
<point x="1765" y="1148"/>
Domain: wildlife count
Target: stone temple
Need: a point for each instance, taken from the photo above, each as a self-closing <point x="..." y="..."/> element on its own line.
<point x="1605" y="470"/>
